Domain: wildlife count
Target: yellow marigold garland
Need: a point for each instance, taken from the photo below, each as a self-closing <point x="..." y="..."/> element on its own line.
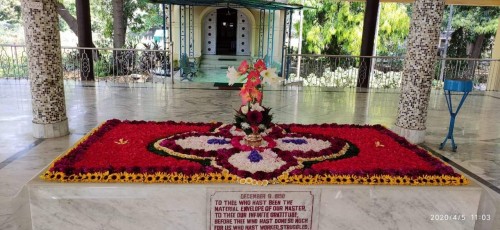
<point x="225" y="177"/>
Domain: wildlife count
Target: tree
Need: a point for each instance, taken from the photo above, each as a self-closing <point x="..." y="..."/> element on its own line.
<point x="66" y="15"/>
<point x="394" y="27"/>
<point x="336" y="27"/>
<point x="332" y="27"/>
<point x="138" y="16"/>
<point x="476" y="25"/>
<point x="456" y="47"/>
<point x="10" y="11"/>
<point x="119" y="24"/>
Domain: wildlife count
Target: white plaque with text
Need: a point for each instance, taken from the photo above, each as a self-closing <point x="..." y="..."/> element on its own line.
<point x="261" y="210"/>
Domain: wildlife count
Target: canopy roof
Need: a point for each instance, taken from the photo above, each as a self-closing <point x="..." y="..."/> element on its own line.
<point x="260" y="4"/>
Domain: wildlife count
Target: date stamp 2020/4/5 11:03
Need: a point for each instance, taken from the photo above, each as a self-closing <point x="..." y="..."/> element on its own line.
<point x="460" y="217"/>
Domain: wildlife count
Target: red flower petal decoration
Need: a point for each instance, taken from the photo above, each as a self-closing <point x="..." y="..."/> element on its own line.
<point x="260" y="65"/>
<point x="253" y="79"/>
<point x="398" y="162"/>
<point x="243" y="68"/>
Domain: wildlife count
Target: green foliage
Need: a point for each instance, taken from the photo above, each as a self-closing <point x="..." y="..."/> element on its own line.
<point x="457" y="48"/>
<point x="469" y="22"/>
<point x="70" y="6"/>
<point x="475" y="20"/>
<point x="394" y="26"/>
<point x="332" y="27"/>
<point x="140" y="16"/>
<point x="102" y="19"/>
<point x="101" y="68"/>
<point x="336" y="27"/>
<point x="10" y="12"/>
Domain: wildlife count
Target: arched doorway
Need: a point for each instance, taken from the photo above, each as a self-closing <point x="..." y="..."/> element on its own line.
<point x="226" y="31"/>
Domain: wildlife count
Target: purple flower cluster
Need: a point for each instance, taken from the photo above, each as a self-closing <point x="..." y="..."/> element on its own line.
<point x="295" y="141"/>
<point x="254" y="156"/>
<point x="218" y="141"/>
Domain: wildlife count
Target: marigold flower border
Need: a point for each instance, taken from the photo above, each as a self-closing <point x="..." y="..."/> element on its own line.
<point x="226" y="177"/>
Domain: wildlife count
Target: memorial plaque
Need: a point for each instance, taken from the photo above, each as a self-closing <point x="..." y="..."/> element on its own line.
<point x="261" y="210"/>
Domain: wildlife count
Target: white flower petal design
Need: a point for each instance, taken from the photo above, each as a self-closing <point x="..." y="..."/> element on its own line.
<point x="270" y="161"/>
<point x="237" y="132"/>
<point x="201" y="143"/>
<point x="312" y="144"/>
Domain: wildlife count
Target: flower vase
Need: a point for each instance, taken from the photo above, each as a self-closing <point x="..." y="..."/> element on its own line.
<point x="253" y="140"/>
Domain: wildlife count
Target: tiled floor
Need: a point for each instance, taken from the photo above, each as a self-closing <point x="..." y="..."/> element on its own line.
<point x="477" y="129"/>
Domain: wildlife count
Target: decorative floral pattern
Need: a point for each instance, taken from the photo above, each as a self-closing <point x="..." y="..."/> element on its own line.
<point x="264" y="162"/>
<point x="394" y="161"/>
<point x="206" y="143"/>
<point x="268" y="161"/>
<point x="302" y="144"/>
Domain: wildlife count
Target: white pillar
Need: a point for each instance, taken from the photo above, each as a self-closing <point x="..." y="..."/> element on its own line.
<point x="493" y="77"/>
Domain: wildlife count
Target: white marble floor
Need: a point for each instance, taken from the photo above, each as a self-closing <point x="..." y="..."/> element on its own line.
<point x="477" y="129"/>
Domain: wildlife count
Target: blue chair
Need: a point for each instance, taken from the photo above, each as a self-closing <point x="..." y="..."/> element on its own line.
<point x="188" y="69"/>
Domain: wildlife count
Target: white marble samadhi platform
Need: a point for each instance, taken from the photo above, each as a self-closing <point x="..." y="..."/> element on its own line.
<point x="184" y="206"/>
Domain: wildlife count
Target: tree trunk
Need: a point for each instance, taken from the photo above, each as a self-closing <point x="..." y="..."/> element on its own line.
<point x="67" y="17"/>
<point x="119" y="30"/>
<point x="119" y="24"/>
<point x="475" y="54"/>
<point x="70" y="20"/>
<point x="478" y="44"/>
<point x="85" y="40"/>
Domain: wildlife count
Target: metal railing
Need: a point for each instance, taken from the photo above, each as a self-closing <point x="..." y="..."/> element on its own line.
<point x="146" y="65"/>
<point x="117" y="65"/>
<point x="386" y="72"/>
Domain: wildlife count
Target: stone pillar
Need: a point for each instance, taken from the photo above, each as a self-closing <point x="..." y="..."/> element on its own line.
<point x="494" y="75"/>
<point x="419" y="69"/>
<point x="43" y="47"/>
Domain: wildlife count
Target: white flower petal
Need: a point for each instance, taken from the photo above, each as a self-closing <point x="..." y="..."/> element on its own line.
<point x="201" y="143"/>
<point x="257" y="107"/>
<point x="232" y="75"/>
<point x="311" y="145"/>
<point x="270" y="161"/>
<point x="244" y="109"/>
<point x="245" y="125"/>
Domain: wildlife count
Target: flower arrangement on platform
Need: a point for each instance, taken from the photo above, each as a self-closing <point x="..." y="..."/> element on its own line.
<point x="180" y="152"/>
<point x="252" y="117"/>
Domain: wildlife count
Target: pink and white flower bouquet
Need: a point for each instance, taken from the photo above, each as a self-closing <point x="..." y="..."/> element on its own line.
<point x="252" y="117"/>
